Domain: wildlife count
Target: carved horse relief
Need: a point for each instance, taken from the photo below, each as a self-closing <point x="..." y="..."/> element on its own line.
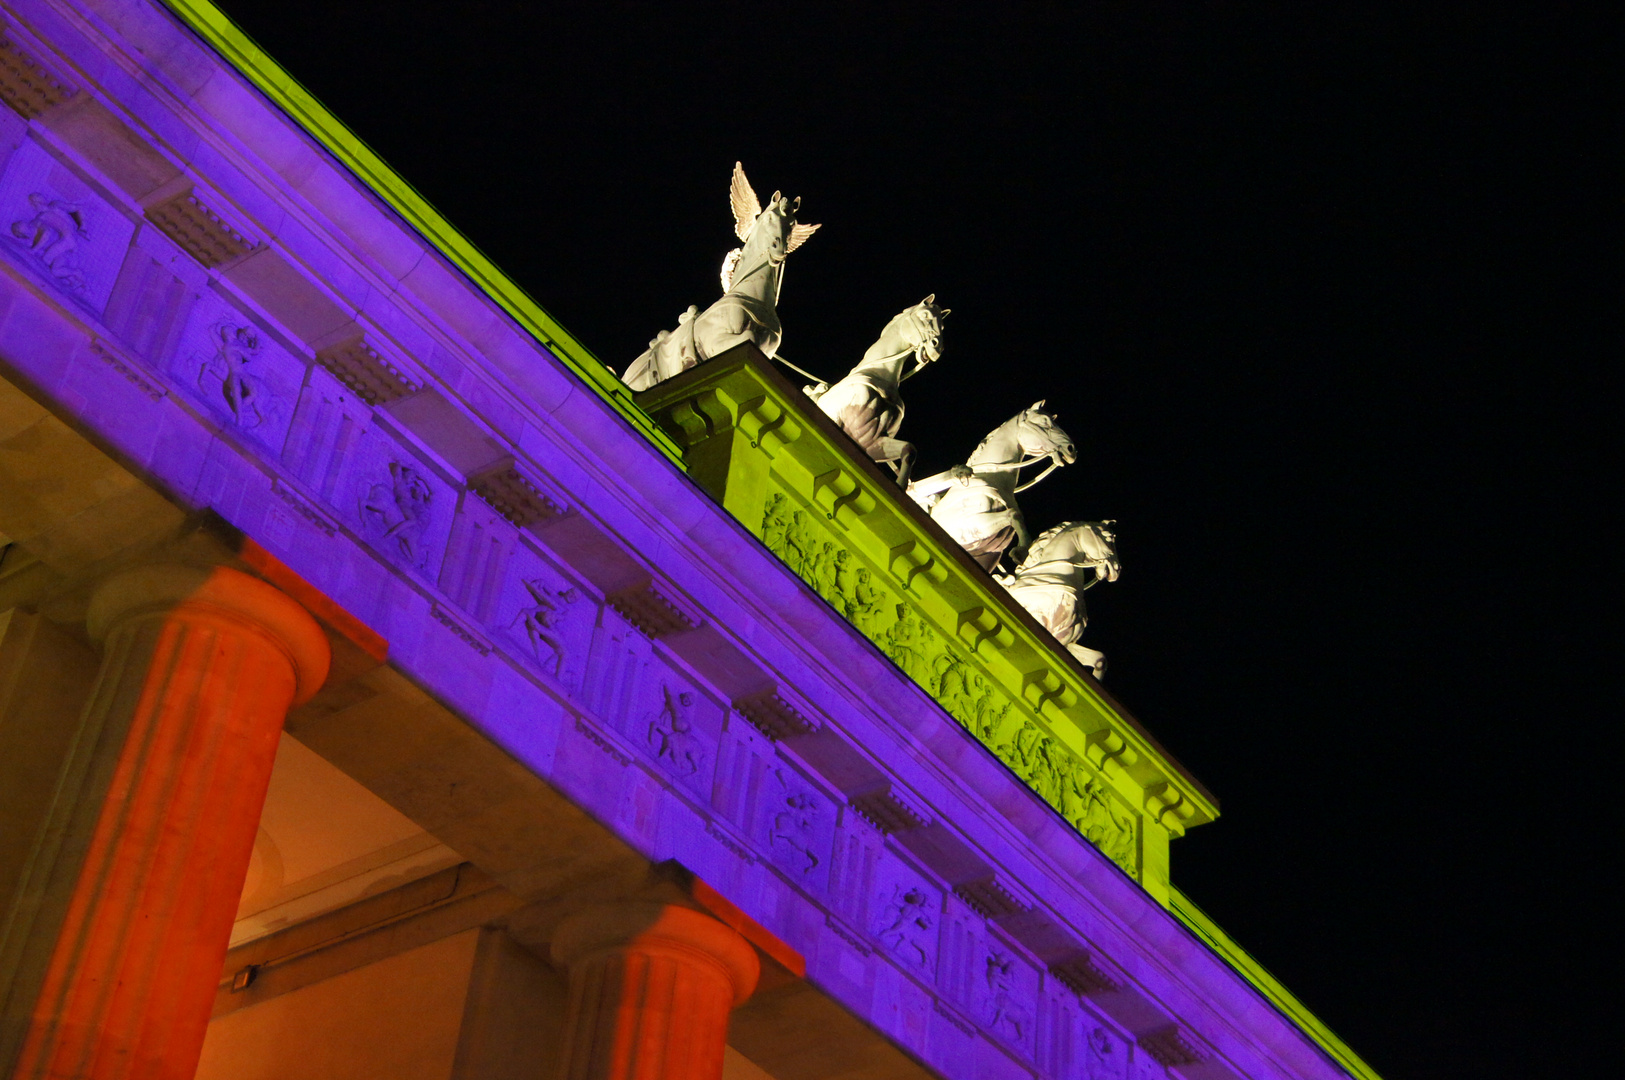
<point x="751" y="279"/>
<point x="1060" y="566"/>
<point x="976" y="502"/>
<point x="866" y="403"/>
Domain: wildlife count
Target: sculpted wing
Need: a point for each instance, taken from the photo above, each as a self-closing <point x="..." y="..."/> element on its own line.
<point x="799" y="235"/>
<point x="746" y="206"/>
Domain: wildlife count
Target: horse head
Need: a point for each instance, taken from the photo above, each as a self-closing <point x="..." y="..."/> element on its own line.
<point x="920" y="328"/>
<point x="1097" y="544"/>
<point x="769" y="233"/>
<point x="1041" y="436"/>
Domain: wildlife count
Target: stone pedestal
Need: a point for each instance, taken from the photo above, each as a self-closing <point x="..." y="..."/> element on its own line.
<point x="199" y="668"/>
<point x="651" y="987"/>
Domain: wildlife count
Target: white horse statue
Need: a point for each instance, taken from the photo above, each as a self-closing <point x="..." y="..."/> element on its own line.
<point x="751" y="279"/>
<point x="1050" y="582"/>
<point x="976" y="502"/>
<point x="866" y="404"/>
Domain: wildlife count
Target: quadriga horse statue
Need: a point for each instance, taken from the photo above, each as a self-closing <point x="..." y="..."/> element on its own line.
<point x="976" y="502"/>
<point x="751" y="278"/>
<point x="1050" y="582"/>
<point x="866" y="403"/>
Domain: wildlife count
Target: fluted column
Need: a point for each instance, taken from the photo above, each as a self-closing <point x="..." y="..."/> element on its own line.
<point x="651" y="987"/>
<point x="199" y="668"/>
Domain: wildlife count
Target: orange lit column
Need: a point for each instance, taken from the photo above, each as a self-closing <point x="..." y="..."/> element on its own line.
<point x="199" y="668"/>
<point x="651" y="987"/>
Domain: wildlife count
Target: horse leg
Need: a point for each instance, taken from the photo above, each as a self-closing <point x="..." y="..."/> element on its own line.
<point x="1093" y="659"/>
<point x="897" y="453"/>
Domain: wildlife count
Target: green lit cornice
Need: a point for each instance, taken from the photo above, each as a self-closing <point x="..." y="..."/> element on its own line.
<point x="790" y="476"/>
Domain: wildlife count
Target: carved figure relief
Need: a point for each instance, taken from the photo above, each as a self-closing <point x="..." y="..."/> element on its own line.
<point x="396" y="513"/>
<point x="905" y="924"/>
<point x="949" y="676"/>
<point x="542" y="622"/>
<point x="1001" y="1006"/>
<point x="53" y="234"/>
<point x="791" y="832"/>
<point x="1104" y="1058"/>
<point x="671" y="737"/>
<point x="1088" y="805"/>
<point x="230" y="379"/>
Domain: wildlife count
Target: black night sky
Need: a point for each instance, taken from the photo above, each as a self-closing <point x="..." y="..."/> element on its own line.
<point x="1318" y="293"/>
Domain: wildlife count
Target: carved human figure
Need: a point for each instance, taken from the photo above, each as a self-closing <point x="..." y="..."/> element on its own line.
<point x="1103" y="1059"/>
<point x="975" y="503"/>
<point x="53" y="234"/>
<point x="904" y="642"/>
<point x="236" y="348"/>
<point x="541" y="621"/>
<point x="867" y="603"/>
<point x="398" y="511"/>
<point x="904" y="923"/>
<point x="866" y="403"/>
<point x="1005" y="1012"/>
<point x="751" y="279"/>
<point x="1061" y="564"/>
<point x="671" y="735"/>
<point x="1087" y="804"/>
<point x="790" y="833"/>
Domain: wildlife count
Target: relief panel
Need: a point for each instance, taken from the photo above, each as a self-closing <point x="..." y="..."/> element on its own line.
<point x="945" y="671"/>
<point x="795" y="824"/>
<point x="546" y="618"/>
<point x="396" y="502"/>
<point x="1105" y="1056"/>
<point x="677" y="726"/>
<point x="57" y="224"/>
<point x="241" y="376"/>
<point x="905" y="915"/>
<point x="1005" y="992"/>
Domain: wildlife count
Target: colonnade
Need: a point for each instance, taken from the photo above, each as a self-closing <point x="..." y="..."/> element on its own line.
<point x="130" y="886"/>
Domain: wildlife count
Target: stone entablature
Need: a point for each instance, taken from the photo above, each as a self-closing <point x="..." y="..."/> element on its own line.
<point x="782" y="468"/>
<point x="743" y="731"/>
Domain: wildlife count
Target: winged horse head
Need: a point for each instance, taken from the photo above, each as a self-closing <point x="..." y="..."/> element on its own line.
<point x="769" y="233"/>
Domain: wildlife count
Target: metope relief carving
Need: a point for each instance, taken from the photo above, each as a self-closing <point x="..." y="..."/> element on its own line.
<point x="799" y="824"/>
<point x="906" y="924"/>
<point x="395" y="513"/>
<point x="230" y="377"/>
<point x="245" y="381"/>
<point x="541" y="621"/>
<point x="1002" y="998"/>
<point x="1105" y="1057"/>
<point x="670" y="734"/>
<point x="947" y="673"/>
<point x="547" y="618"/>
<point x="56" y="222"/>
<point x="52" y="234"/>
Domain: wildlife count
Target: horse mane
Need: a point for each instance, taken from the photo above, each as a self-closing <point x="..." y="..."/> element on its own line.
<point x="1042" y="540"/>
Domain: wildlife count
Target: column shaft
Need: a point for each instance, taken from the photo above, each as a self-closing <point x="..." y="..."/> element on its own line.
<point x="651" y="988"/>
<point x="204" y="665"/>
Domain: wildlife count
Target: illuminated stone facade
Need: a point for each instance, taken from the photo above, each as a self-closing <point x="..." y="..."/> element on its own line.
<point x="656" y="737"/>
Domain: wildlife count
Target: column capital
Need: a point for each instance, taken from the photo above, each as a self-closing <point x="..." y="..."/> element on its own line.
<point x="168" y="589"/>
<point x="659" y="928"/>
